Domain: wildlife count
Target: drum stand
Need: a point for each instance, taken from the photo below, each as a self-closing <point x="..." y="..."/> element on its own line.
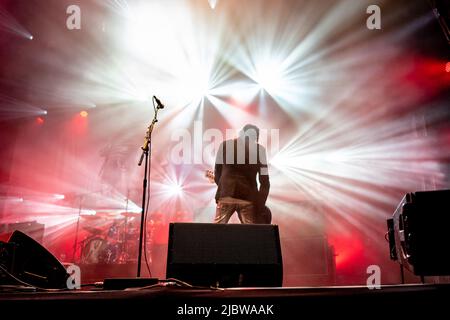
<point x="76" y="232"/>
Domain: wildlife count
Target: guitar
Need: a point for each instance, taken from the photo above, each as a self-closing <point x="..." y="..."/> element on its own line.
<point x="264" y="216"/>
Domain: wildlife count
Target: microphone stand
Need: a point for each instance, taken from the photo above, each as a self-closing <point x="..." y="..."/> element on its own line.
<point x="122" y="283"/>
<point x="145" y="157"/>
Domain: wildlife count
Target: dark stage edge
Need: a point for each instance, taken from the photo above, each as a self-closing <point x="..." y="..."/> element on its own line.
<point x="288" y="303"/>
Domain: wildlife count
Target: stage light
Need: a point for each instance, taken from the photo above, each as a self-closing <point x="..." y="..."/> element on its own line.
<point x="174" y="54"/>
<point x="84" y="114"/>
<point x="269" y="77"/>
<point x="175" y="189"/>
<point x="213" y="3"/>
<point x="59" y="196"/>
<point x="281" y="160"/>
<point x="197" y="86"/>
<point x="9" y="23"/>
<point x="447" y="67"/>
<point x="40" y="120"/>
<point x="148" y="25"/>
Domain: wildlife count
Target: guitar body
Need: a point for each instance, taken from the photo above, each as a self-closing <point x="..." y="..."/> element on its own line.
<point x="264" y="216"/>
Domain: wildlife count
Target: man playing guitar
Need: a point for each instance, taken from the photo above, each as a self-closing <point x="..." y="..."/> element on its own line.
<point x="239" y="163"/>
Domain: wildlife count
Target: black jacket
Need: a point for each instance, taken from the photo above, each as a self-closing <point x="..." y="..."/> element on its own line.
<point x="238" y="163"/>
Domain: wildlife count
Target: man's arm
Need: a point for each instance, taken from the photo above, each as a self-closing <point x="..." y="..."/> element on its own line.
<point x="219" y="164"/>
<point x="263" y="176"/>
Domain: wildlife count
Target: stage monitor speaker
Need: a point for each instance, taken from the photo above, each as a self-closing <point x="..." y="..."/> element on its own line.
<point x="225" y="255"/>
<point x="33" y="264"/>
<point x="419" y="235"/>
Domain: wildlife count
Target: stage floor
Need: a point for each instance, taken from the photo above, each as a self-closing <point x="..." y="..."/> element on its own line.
<point x="234" y="303"/>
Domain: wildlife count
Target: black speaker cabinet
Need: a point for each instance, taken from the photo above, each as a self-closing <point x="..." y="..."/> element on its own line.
<point x="419" y="235"/>
<point x="225" y="255"/>
<point x="33" y="264"/>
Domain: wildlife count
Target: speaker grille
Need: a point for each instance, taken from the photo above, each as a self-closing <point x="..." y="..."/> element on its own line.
<point x="206" y="253"/>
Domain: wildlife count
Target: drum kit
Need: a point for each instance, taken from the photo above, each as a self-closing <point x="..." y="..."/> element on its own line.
<point x="110" y="243"/>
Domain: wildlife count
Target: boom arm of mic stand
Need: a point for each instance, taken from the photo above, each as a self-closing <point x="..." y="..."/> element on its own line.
<point x="145" y="146"/>
<point x="145" y="149"/>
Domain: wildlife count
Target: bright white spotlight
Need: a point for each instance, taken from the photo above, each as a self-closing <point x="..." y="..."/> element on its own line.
<point x="175" y="189"/>
<point x="9" y="23"/>
<point x="193" y="85"/>
<point x="149" y="25"/>
<point x="212" y="3"/>
<point x="269" y="76"/>
<point x="59" y="196"/>
<point x="283" y="160"/>
<point x="199" y="85"/>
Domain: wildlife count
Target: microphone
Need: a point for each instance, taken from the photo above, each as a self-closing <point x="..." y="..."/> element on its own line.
<point x="158" y="102"/>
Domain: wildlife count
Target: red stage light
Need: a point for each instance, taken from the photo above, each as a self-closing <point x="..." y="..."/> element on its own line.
<point x="40" y="120"/>
<point x="349" y="250"/>
<point x="447" y="67"/>
<point x="84" y="114"/>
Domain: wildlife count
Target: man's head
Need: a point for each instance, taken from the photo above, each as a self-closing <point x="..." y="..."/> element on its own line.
<point x="251" y="132"/>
